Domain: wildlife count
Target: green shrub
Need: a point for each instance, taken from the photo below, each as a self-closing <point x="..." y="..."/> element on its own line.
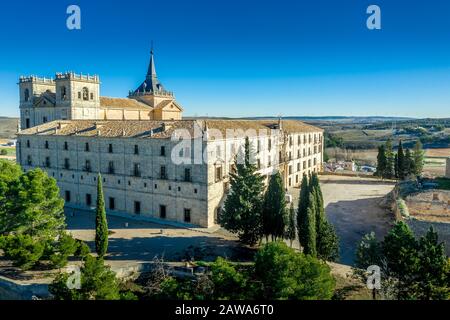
<point x="82" y="249"/>
<point x="3" y="152"/>
<point x="23" y="250"/>
<point x="63" y="248"/>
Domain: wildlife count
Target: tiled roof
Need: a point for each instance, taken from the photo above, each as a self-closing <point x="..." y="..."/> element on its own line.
<point x="125" y="103"/>
<point x="111" y="128"/>
<point x="48" y="96"/>
<point x="157" y="129"/>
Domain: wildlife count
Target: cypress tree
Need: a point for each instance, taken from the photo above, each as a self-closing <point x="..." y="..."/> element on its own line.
<point x="396" y="165"/>
<point x="401" y="162"/>
<point x="327" y="242"/>
<point x="418" y="158"/>
<point x="243" y="205"/>
<point x="101" y="224"/>
<point x="408" y="163"/>
<point x="302" y="223"/>
<point x="274" y="209"/>
<point x="389" y="170"/>
<point x="291" y="227"/>
<point x="381" y="162"/>
<point x="310" y="246"/>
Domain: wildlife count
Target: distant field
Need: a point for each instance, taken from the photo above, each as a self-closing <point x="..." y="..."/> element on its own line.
<point x="444" y="152"/>
<point x="8" y="128"/>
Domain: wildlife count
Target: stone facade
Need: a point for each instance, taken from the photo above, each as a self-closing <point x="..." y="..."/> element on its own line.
<point x="140" y="175"/>
<point x="153" y="164"/>
<point x="77" y="97"/>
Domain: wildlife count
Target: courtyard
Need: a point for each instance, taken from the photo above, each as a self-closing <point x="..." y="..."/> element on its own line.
<point x="351" y="203"/>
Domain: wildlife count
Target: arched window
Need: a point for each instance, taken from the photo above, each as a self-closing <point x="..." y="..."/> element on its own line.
<point x="85" y="93"/>
<point x="27" y="94"/>
<point x="63" y="93"/>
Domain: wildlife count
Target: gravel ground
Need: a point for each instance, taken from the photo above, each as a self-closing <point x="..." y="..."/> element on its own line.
<point x="352" y="205"/>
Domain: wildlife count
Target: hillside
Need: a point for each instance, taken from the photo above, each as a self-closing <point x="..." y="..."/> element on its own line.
<point x="8" y="127"/>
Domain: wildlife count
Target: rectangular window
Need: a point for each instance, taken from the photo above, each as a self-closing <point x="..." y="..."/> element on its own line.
<point x="92" y="96"/>
<point x="258" y="146"/>
<point x="110" y="148"/>
<point x="46" y="145"/>
<point x="187" y="215"/>
<point x="163" y="173"/>
<point x="136" y="149"/>
<point x="187" y="175"/>
<point x="163" y="151"/>
<point x="27" y="123"/>
<point x="66" y="145"/>
<point x="111" y="167"/>
<point x="258" y="164"/>
<point x="28" y="144"/>
<point x="44" y="119"/>
<point x="66" y="164"/>
<point x="86" y="147"/>
<point x="137" y="207"/>
<point x="88" y="199"/>
<point x="112" y="203"/>
<point x="269" y="161"/>
<point x="87" y="165"/>
<point x="47" y="162"/>
<point x="162" y="211"/>
<point x="67" y="196"/>
<point x="270" y="144"/>
<point x="218" y="174"/>
<point x="298" y="166"/>
<point x="29" y="160"/>
<point x="218" y="151"/>
<point x="137" y="170"/>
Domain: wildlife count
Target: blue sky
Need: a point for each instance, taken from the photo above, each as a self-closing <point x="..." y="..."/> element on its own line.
<point x="242" y="58"/>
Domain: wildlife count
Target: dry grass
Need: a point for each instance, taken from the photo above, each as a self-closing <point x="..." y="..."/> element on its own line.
<point x="444" y="152"/>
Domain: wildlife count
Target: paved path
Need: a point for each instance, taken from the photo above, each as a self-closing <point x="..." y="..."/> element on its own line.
<point x="142" y="241"/>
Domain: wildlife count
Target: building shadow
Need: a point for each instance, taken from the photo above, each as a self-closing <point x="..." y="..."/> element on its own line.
<point x="353" y="219"/>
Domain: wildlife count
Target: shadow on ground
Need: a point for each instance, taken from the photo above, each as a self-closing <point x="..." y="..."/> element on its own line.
<point x="353" y="219"/>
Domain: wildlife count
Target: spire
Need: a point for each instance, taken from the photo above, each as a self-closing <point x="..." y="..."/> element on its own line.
<point x="151" y="73"/>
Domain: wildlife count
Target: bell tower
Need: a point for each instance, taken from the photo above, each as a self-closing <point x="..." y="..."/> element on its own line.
<point x="77" y="96"/>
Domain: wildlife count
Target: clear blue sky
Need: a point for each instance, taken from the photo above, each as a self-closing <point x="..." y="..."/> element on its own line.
<point x="242" y="57"/>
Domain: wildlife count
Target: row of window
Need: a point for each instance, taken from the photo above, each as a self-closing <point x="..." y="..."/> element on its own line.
<point x="306" y="165"/>
<point x="305" y="140"/>
<point x="136" y="171"/>
<point x="137" y="206"/>
<point x="269" y="145"/>
<point x="87" y="147"/>
<point x="297" y="179"/>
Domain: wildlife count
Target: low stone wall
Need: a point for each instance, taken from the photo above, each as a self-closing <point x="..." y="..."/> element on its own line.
<point x="14" y="290"/>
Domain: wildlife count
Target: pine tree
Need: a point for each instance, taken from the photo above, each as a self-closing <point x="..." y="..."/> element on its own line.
<point x="243" y="206"/>
<point x="291" y="226"/>
<point x="418" y="158"/>
<point x="381" y="162"/>
<point x="274" y="209"/>
<point x="101" y="224"/>
<point x="401" y="161"/>
<point x="302" y="211"/>
<point x="433" y="268"/>
<point x="389" y="170"/>
<point x="311" y="236"/>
